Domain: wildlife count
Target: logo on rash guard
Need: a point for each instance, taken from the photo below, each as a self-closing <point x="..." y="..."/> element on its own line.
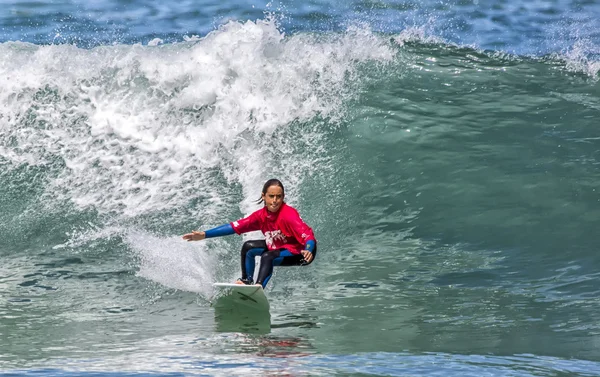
<point x="272" y="237"/>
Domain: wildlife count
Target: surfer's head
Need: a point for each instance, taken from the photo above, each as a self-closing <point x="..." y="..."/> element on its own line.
<point x="272" y="195"/>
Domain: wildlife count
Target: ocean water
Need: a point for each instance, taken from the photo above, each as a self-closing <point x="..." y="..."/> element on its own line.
<point x="446" y="154"/>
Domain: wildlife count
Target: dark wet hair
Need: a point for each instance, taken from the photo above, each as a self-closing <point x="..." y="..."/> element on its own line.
<point x="269" y="183"/>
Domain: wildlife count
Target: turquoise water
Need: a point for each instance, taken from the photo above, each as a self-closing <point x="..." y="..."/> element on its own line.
<point x="445" y="153"/>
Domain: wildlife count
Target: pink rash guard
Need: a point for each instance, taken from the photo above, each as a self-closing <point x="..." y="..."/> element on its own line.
<point x="283" y="229"/>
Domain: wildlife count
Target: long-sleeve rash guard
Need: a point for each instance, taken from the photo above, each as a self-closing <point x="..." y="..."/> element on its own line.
<point x="283" y="229"/>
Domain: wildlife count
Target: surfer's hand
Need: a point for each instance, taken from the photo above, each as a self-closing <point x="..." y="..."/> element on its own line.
<point x="194" y="236"/>
<point x="308" y="256"/>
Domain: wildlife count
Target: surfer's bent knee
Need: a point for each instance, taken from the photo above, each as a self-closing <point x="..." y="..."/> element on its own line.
<point x="253" y="244"/>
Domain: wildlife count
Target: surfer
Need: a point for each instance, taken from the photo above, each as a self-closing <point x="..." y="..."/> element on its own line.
<point x="288" y="240"/>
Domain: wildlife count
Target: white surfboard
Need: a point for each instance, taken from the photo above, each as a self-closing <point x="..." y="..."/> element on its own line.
<point x="250" y="297"/>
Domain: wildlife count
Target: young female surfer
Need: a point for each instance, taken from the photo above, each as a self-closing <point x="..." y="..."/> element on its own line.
<point x="288" y="240"/>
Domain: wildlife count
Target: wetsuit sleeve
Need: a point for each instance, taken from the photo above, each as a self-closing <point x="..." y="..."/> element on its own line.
<point x="223" y="230"/>
<point x="247" y="224"/>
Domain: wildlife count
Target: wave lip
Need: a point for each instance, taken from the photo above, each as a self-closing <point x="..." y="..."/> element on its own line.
<point x="126" y="128"/>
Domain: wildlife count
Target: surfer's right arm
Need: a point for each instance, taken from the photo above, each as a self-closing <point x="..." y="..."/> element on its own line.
<point x="223" y="230"/>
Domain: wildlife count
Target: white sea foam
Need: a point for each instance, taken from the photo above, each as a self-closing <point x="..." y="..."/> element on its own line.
<point x="187" y="267"/>
<point x="137" y="129"/>
<point x="578" y="58"/>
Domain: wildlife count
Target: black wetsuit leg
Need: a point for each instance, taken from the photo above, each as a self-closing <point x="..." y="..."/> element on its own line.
<point x="255" y="247"/>
<point x="281" y="257"/>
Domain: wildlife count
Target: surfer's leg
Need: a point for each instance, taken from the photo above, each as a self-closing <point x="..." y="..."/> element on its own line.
<point x="295" y="259"/>
<point x="282" y="257"/>
<point x="266" y="266"/>
<point x="271" y="258"/>
<point x="250" y="250"/>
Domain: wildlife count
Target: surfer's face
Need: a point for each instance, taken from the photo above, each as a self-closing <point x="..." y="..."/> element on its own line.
<point x="273" y="198"/>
